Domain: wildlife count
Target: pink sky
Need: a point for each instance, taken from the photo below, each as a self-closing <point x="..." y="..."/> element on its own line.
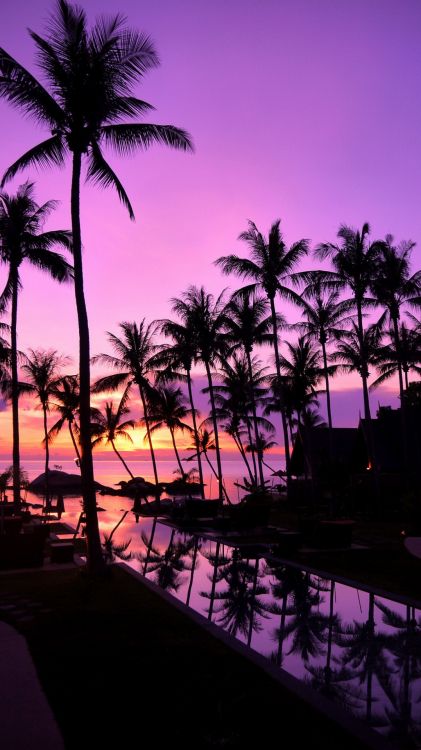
<point x="308" y="111"/>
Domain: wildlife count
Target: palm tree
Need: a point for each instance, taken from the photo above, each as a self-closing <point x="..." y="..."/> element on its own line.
<point x="250" y="326"/>
<point x="394" y="286"/>
<point x="207" y="319"/>
<point x="108" y="427"/>
<point x="42" y="370"/>
<point x="271" y="268"/>
<point x="326" y="318"/>
<point x="168" y="565"/>
<point x="235" y="395"/>
<point x="203" y="443"/>
<point x="180" y="354"/>
<point x="356" y="353"/>
<point x="66" y="401"/>
<point x="90" y="74"/>
<point x="303" y="372"/>
<point x="389" y="360"/>
<point x="22" y="239"/>
<point x="355" y="262"/>
<point x="134" y="351"/>
<point x="239" y="605"/>
<point x="167" y="408"/>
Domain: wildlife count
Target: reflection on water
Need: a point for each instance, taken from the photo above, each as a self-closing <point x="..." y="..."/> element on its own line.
<point x="359" y="650"/>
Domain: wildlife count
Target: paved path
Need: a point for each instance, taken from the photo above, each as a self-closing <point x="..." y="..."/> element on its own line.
<point x="26" y="719"/>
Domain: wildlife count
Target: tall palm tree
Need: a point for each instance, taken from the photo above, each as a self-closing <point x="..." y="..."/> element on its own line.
<point x="203" y="443"/>
<point x="107" y="427"/>
<point x="234" y="398"/>
<point x="42" y="369"/>
<point x="90" y="76"/>
<point x="393" y="286"/>
<point x="355" y="263"/>
<point x="326" y="318"/>
<point x="389" y="360"/>
<point x="167" y="408"/>
<point x="250" y="326"/>
<point x="271" y="268"/>
<point x="207" y="319"/>
<point x="303" y="371"/>
<point x="356" y="354"/>
<point x="22" y="239"/>
<point x="132" y="361"/>
<point x="65" y="402"/>
<point x="180" y="354"/>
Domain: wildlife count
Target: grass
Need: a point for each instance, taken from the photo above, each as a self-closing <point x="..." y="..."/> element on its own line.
<point x="119" y="664"/>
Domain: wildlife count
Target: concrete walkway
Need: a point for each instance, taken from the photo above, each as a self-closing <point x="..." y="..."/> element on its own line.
<point x="26" y="719"/>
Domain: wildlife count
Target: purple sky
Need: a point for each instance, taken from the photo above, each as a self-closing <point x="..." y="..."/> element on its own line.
<point x="308" y="111"/>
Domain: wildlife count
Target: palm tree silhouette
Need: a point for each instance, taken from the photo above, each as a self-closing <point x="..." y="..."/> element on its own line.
<point x="408" y="358"/>
<point x="134" y="351"/>
<point x="206" y="318"/>
<point x="167" y="408"/>
<point x="180" y="354"/>
<point x="90" y="75"/>
<point x="65" y="401"/>
<point x="250" y="326"/>
<point x="393" y="286"/>
<point x="356" y="353"/>
<point x="303" y="372"/>
<point x="203" y="443"/>
<point x="168" y="565"/>
<point x="22" y="239"/>
<point x="306" y="627"/>
<point x="271" y="268"/>
<point x="239" y="606"/>
<point x="355" y="262"/>
<point x="326" y="318"/>
<point x="405" y="644"/>
<point x="242" y="383"/>
<point x="108" y="427"/>
<point x="364" y="650"/>
<point x="42" y="370"/>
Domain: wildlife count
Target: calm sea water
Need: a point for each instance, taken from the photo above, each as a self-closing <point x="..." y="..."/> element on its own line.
<point x="360" y="650"/>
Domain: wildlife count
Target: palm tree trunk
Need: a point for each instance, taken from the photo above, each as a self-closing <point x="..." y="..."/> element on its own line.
<point x="367" y="413"/>
<point x="279" y="655"/>
<point x="180" y="465"/>
<point x="330" y="633"/>
<point x="212" y="595"/>
<point x="326" y="374"/>
<point x="278" y="373"/>
<point x="47" y="456"/>
<point x="95" y="558"/>
<point x="369" y="665"/>
<point x="121" y="458"/>
<point x="196" y="434"/>
<point x="404" y="420"/>
<point x="328" y="404"/>
<point x="253" y="597"/>
<point x="256" y="429"/>
<point x="15" y="389"/>
<point x="148" y="432"/>
<point x="239" y="444"/>
<point x="74" y="443"/>
<point x="215" y="432"/>
<point x="149" y="548"/>
<point x="193" y="567"/>
<point x="252" y="450"/>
